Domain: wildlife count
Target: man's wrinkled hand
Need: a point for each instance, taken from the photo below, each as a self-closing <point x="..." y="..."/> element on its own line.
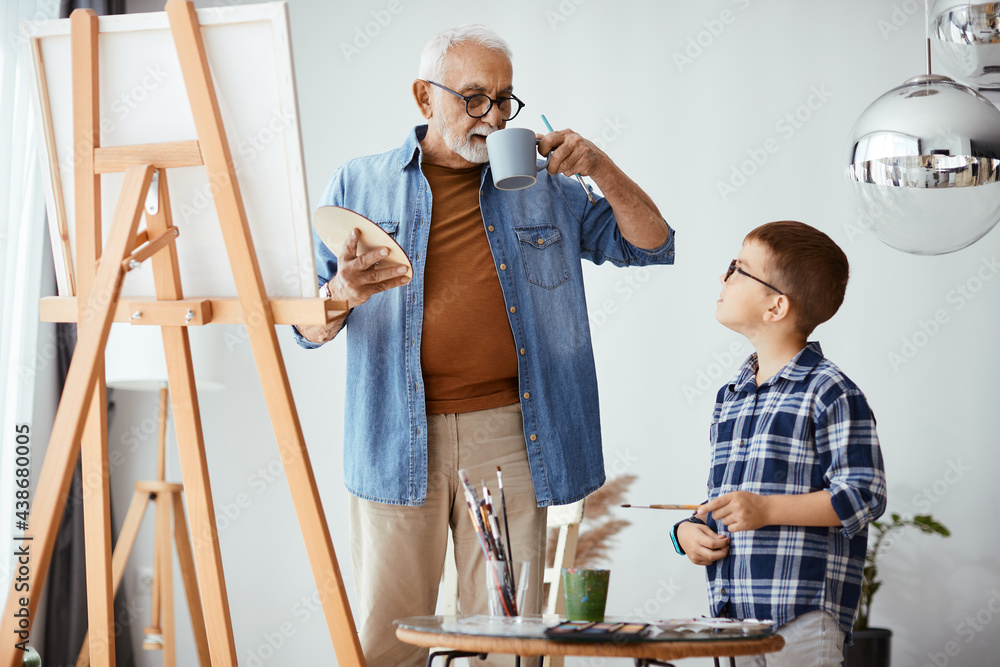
<point x="359" y="276"/>
<point x="571" y="154"/>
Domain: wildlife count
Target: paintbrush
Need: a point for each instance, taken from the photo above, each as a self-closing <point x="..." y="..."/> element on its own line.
<point x="590" y="196"/>
<point x="498" y="540"/>
<point x="663" y="507"/>
<point x="473" y="502"/>
<point x="506" y="533"/>
<point x="494" y="523"/>
<point x="488" y="529"/>
<point x="503" y="509"/>
<point x="477" y="522"/>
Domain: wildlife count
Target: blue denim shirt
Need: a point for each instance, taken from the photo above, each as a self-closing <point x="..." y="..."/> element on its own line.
<point x="541" y="234"/>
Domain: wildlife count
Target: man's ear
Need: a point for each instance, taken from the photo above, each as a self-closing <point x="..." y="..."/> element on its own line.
<point x="422" y="94"/>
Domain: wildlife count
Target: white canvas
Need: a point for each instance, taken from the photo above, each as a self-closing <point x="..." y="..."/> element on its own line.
<point x="143" y="100"/>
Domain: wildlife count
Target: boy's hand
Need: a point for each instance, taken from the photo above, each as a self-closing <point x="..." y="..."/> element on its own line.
<point x="701" y="544"/>
<point x="739" y="510"/>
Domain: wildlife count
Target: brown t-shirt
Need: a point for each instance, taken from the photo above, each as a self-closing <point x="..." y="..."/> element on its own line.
<point x="467" y="352"/>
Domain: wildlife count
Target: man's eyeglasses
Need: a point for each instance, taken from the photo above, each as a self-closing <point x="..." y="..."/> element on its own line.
<point x="479" y="105"/>
<point x="735" y="269"/>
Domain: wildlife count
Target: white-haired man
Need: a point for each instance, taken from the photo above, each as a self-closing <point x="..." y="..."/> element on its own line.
<point x="484" y="359"/>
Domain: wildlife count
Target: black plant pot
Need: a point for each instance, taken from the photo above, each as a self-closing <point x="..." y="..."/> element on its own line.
<point x="871" y="648"/>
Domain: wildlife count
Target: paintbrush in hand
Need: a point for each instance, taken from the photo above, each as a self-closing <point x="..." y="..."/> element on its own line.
<point x="663" y="507"/>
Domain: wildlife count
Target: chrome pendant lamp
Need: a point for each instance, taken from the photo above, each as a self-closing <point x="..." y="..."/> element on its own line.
<point x="924" y="165"/>
<point x="966" y="37"/>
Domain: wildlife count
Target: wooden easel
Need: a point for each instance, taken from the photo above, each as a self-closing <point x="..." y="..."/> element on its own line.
<point x="82" y="411"/>
<point x="166" y="497"/>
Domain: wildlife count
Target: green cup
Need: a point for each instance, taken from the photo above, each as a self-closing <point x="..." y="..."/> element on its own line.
<point x="585" y="593"/>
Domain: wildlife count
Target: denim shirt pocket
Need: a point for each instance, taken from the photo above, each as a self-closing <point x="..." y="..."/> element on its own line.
<point x="542" y="255"/>
<point x="388" y="226"/>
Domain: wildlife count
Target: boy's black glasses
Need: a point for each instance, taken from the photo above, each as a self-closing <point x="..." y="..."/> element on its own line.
<point x="735" y="269"/>
<point x="479" y="105"/>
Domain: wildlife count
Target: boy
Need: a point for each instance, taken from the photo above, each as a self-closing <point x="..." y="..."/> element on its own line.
<point x="796" y="470"/>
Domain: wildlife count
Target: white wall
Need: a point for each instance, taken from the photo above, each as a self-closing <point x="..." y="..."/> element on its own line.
<point x="608" y="69"/>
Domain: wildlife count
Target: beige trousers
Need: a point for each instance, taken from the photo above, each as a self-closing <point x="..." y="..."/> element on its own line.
<point x="398" y="552"/>
<point x="813" y="639"/>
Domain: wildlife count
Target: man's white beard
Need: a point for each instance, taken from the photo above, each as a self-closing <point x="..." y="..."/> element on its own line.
<point x="474" y="152"/>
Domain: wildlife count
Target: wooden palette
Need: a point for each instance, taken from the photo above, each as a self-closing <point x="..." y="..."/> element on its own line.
<point x="334" y="225"/>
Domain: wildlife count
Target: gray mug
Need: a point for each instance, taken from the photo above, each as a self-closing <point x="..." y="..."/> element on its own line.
<point x="513" y="158"/>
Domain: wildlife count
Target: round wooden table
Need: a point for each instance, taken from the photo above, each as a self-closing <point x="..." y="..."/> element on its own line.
<point x="527" y="639"/>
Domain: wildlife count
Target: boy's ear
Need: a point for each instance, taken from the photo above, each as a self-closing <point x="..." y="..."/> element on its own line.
<point x="779" y="310"/>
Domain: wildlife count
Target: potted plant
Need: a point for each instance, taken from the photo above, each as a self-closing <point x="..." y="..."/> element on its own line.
<point x="871" y="646"/>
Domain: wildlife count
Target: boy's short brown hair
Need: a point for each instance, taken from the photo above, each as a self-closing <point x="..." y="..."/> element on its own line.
<point x="807" y="266"/>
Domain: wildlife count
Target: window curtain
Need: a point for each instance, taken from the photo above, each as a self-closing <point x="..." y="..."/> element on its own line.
<point x="22" y="234"/>
<point x="66" y="608"/>
<point x="33" y="358"/>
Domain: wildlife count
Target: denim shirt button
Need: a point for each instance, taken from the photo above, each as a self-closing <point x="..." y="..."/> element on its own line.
<point x="503" y="267"/>
<point x="534" y="437"/>
<point x="522" y="350"/>
<point x="527" y="395"/>
<point x="513" y="309"/>
<point x="490" y="228"/>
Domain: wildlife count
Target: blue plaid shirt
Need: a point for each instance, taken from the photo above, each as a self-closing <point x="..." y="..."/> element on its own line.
<point x="807" y="428"/>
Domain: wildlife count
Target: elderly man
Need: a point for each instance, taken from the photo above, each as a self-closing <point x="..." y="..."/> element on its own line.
<point x="484" y="359"/>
